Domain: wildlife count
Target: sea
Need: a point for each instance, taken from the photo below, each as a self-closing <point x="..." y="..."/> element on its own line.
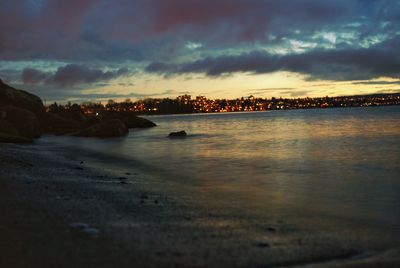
<point x="332" y="168"/>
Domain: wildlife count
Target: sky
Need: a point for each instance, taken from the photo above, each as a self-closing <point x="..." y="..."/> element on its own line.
<point x="80" y="50"/>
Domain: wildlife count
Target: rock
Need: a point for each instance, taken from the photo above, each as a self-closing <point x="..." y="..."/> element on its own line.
<point x="105" y="129"/>
<point x="23" y="121"/>
<point x="181" y="133"/>
<point x="132" y="121"/>
<point x="6" y="138"/>
<point x="20" y="113"/>
<point x="59" y="125"/>
<point x="8" y="128"/>
<point x="21" y="99"/>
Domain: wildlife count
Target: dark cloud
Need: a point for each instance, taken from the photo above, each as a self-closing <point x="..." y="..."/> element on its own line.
<point x="140" y="30"/>
<point x="70" y="75"/>
<point x="33" y="76"/>
<point x="335" y="64"/>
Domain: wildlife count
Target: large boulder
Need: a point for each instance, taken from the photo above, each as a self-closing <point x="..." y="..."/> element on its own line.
<point x="21" y="99"/>
<point x="130" y="120"/>
<point x="105" y="129"/>
<point x="7" y="138"/>
<point x="133" y="121"/>
<point x="23" y="121"/>
<point x="20" y="112"/>
<point x="59" y="125"/>
<point x="8" y="133"/>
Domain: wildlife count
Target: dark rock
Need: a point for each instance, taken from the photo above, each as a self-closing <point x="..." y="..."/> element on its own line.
<point x="20" y="112"/>
<point x="59" y="125"/>
<point x="6" y="138"/>
<point x="9" y="134"/>
<point x="6" y="127"/>
<point x="181" y="133"/>
<point x="21" y="99"/>
<point x="25" y="122"/>
<point x="106" y="129"/>
<point x="132" y="121"/>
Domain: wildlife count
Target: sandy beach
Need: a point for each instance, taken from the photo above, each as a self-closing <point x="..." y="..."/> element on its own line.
<point x="62" y="211"/>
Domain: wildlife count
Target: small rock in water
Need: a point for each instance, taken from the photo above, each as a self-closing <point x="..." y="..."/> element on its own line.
<point x="82" y="162"/>
<point x="181" y="133"/>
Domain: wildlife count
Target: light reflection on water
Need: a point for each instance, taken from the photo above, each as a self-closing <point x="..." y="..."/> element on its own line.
<point x="341" y="162"/>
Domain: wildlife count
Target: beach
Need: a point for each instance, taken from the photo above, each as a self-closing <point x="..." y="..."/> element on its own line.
<point x="58" y="211"/>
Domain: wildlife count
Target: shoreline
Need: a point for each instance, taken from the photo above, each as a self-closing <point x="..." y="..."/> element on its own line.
<point x="64" y="212"/>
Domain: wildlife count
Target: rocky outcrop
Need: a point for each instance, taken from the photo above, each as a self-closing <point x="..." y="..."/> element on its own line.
<point x="8" y="133"/>
<point x="10" y="96"/>
<point x="181" y="134"/>
<point x="20" y="114"/>
<point x="59" y="125"/>
<point x="23" y="121"/>
<point x="24" y="118"/>
<point x="130" y="120"/>
<point x="105" y="129"/>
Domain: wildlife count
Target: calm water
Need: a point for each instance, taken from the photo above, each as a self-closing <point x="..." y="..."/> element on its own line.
<point x="334" y="163"/>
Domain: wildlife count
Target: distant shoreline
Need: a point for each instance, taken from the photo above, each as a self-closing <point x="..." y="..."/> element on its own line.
<point x="200" y="104"/>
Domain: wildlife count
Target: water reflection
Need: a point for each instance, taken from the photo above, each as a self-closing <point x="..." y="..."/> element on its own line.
<point x="342" y="163"/>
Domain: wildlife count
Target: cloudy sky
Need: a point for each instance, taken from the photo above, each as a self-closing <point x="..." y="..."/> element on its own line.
<point x="99" y="49"/>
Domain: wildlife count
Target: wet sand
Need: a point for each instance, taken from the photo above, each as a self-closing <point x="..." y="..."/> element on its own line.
<point x="59" y="211"/>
